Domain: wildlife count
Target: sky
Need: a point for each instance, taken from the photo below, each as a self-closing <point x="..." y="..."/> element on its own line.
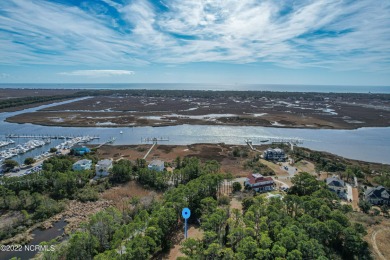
<point x="324" y="42"/>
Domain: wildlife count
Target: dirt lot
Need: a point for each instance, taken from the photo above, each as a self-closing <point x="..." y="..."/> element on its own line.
<point x="289" y="112"/>
<point x="192" y="232"/>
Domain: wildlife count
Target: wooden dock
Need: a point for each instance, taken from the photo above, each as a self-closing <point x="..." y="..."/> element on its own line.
<point x="44" y="136"/>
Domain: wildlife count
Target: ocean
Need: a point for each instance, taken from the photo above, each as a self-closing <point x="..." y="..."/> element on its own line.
<point x="213" y="87"/>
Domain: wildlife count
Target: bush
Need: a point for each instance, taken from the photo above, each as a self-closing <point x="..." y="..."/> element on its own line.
<point x="236" y="186"/>
<point x="29" y="161"/>
<point x="88" y="194"/>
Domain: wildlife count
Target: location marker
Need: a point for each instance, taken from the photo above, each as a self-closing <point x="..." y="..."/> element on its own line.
<point x="186" y="213"/>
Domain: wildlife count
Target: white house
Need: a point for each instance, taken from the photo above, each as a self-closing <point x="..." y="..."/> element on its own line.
<point x="156" y="165"/>
<point x="82" y="165"/>
<point x="102" y="167"/>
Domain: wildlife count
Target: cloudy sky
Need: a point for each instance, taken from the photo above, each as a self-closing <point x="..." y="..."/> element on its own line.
<point x="340" y="42"/>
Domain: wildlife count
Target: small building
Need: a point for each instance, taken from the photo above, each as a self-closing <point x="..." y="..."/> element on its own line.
<point x="337" y="186"/>
<point x="259" y="183"/>
<point x="80" y="150"/>
<point x="156" y="165"/>
<point x="377" y="196"/>
<point x="276" y="154"/>
<point x="82" y="165"/>
<point x="102" y="167"/>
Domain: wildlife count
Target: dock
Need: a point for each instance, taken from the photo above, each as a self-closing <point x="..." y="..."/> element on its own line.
<point x="46" y="136"/>
<point x="154" y="139"/>
<point x="274" y="140"/>
<point x="109" y="141"/>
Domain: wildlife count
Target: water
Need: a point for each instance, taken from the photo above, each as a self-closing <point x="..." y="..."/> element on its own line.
<point x="368" y="144"/>
<point x="183" y="86"/>
<point x="39" y="236"/>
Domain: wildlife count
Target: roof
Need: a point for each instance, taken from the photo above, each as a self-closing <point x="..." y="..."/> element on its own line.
<point x="376" y="192"/>
<point x="254" y="178"/>
<point x="105" y="162"/>
<point x="83" y="161"/>
<point x="158" y="163"/>
<point x="276" y="150"/>
<point x="336" y="182"/>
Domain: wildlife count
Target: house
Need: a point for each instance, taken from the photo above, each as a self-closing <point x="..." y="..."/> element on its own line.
<point x="80" y="150"/>
<point x="274" y="154"/>
<point x="337" y="186"/>
<point x="156" y="165"/>
<point x="82" y="165"/>
<point x="259" y="183"/>
<point x="377" y="196"/>
<point x="102" y="167"/>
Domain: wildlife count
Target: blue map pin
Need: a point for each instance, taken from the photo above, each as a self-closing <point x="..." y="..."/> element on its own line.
<point x="186" y="213"/>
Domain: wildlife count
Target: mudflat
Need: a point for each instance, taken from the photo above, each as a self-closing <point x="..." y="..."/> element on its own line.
<point x="272" y="109"/>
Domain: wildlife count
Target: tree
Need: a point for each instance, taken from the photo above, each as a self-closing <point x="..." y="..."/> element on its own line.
<point x="10" y="164"/>
<point x="82" y="245"/>
<point x="304" y="184"/>
<point x="365" y="206"/>
<point x="29" y="161"/>
<point x="53" y="150"/>
<point x="236" y="186"/>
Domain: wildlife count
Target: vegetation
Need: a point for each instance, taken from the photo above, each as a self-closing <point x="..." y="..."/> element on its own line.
<point x="29" y="161"/>
<point x="15" y="102"/>
<point x="308" y="223"/>
<point x="10" y="164"/>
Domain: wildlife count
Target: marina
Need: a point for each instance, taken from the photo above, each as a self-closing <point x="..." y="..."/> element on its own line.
<point x="24" y="150"/>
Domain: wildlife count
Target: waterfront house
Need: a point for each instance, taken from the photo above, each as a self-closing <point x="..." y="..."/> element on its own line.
<point x="378" y="195"/>
<point x="102" y="167"/>
<point x="274" y="154"/>
<point x="259" y="183"/>
<point x="82" y="165"/>
<point x="156" y="165"/>
<point x="337" y="186"/>
<point x="80" y="150"/>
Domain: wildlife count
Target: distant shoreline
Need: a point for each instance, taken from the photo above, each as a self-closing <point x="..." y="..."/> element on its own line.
<point x="300" y="88"/>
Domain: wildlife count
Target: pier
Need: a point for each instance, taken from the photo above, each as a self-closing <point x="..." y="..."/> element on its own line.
<point x="44" y="136"/>
<point x="154" y="139"/>
<point x="109" y="141"/>
<point x="274" y="140"/>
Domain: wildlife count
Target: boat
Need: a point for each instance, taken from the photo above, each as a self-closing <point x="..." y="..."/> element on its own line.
<point x="121" y="132"/>
<point x="264" y="141"/>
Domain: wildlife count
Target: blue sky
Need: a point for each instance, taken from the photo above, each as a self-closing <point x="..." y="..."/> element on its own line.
<point x="330" y="42"/>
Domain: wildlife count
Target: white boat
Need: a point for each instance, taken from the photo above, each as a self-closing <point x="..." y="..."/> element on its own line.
<point x="121" y="132"/>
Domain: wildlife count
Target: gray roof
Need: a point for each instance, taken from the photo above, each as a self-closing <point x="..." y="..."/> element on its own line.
<point x="105" y="162"/>
<point x="83" y="161"/>
<point x="375" y="193"/>
<point x="158" y="163"/>
<point x="336" y="182"/>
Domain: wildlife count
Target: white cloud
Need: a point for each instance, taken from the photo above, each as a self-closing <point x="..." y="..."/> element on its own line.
<point x="323" y="33"/>
<point x="98" y="73"/>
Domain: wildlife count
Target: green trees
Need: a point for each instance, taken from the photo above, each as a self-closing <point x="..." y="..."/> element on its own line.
<point x="237" y="186"/>
<point x="121" y="171"/>
<point x="10" y="164"/>
<point x="297" y="227"/>
<point x="29" y="161"/>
